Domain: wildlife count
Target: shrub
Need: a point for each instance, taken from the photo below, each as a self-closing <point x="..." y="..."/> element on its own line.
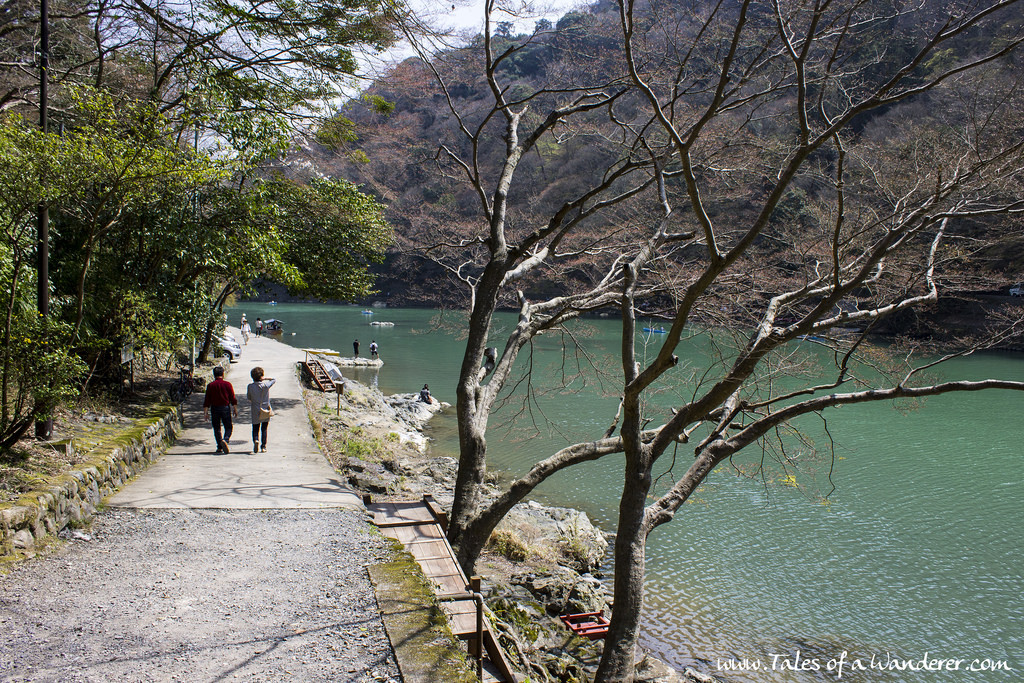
<point x="508" y="545"/>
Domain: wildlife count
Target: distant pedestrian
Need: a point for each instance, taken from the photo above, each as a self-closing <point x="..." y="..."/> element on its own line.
<point x="258" y="394"/>
<point x="355" y="348"/>
<point x="218" y="405"/>
<point x="373" y="349"/>
<point x="245" y="330"/>
<point x="425" y="394"/>
<point x="259" y="327"/>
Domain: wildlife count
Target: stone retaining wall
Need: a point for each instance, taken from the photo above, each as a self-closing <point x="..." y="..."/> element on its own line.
<point x="74" y="496"/>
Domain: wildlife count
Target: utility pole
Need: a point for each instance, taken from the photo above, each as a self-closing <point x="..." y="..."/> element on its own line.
<point x="44" y="428"/>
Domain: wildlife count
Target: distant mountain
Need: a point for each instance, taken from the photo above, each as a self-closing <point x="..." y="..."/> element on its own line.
<point x="404" y="121"/>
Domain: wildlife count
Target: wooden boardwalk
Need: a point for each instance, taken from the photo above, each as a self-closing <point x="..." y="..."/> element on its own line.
<point x="420" y="527"/>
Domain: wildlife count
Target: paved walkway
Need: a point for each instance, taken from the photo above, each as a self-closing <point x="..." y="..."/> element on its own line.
<point x="210" y="567"/>
<point x="291" y="474"/>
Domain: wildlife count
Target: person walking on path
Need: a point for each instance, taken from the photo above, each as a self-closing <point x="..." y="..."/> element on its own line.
<point x="355" y="348"/>
<point x="258" y="394"/>
<point x="373" y="349"/>
<point x="245" y="329"/>
<point x="259" y="327"/>
<point x="218" y="405"/>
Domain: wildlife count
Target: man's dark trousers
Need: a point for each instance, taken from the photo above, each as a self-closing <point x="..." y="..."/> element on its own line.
<point x="221" y="416"/>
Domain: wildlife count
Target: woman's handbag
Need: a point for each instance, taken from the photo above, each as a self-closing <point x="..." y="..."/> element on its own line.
<point x="266" y="414"/>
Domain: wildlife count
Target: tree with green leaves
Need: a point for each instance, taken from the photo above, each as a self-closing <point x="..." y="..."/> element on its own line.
<point x="125" y="156"/>
<point x="168" y="114"/>
<point x="317" y="238"/>
<point x="38" y="369"/>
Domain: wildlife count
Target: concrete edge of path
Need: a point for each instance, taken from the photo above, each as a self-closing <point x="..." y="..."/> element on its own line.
<point x="424" y="646"/>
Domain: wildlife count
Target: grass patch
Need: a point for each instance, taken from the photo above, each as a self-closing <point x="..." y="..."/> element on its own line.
<point x="363" y="449"/>
<point x="509" y="545"/>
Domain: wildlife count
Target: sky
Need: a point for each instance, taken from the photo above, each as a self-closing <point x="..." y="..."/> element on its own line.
<point x="465" y="18"/>
<point x="468" y="14"/>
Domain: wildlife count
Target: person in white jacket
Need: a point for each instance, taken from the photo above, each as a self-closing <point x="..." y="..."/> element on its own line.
<point x="258" y="394"/>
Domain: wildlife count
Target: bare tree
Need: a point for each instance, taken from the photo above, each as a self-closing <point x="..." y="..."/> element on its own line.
<point x="770" y="167"/>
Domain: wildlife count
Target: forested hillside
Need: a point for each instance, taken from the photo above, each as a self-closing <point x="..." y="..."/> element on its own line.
<point x="402" y="159"/>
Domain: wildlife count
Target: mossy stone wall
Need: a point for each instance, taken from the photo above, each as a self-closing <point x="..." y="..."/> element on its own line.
<point x="73" y="497"/>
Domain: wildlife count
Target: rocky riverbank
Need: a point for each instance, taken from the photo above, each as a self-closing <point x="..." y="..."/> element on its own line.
<point x="541" y="561"/>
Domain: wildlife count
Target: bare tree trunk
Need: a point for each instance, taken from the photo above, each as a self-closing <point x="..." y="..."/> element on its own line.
<point x="16" y="431"/>
<point x="211" y="322"/>
<point x="617" y="662"/>
<point x="474" y="535"/>
<point x="472" y="532"/>
<point x="473" y="411"/>
<point x="462" y="532"/>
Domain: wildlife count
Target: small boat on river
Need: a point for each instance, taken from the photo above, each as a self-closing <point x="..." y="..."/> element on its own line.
<point x="273" y="326"/>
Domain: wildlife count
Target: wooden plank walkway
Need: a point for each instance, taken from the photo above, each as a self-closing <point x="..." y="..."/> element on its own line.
<point x="420" y="526"/>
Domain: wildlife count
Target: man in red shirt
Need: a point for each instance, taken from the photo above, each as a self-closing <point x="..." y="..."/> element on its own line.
<point x="220" y="401"/>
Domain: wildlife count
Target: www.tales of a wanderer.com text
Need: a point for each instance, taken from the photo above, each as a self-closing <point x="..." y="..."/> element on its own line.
<point x="845" y="664"/>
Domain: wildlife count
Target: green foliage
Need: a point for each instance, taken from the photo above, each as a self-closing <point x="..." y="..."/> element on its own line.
<point x="39" y="372"/>
<point x="378" y="104"/>
<point x="155" y="217"/>
<point x="333" y="232"/>
<point x="372" y="450"/>
<point x="336" y="133"/>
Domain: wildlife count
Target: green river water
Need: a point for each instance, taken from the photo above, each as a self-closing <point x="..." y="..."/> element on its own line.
<point x="919" y="552"/>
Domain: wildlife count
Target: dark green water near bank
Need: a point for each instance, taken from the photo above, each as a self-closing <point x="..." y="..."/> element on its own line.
<point x="917" y="553"/>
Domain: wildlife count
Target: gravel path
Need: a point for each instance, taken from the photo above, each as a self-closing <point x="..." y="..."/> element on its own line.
<point x="268" y="595"/>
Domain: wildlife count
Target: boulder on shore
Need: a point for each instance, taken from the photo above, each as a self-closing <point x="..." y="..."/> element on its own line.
<point x="414" y="412"/>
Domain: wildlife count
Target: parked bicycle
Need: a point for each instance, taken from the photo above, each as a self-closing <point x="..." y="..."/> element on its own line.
<point x="186" y="384"/>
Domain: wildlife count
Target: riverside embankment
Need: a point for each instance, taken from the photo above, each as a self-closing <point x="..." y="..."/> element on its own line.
<point x="542" y="561"/>
<point x="755" y="566"/>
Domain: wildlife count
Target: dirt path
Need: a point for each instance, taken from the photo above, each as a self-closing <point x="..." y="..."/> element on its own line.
<point x="200" y="595"/>
<point x="237" y="567"/>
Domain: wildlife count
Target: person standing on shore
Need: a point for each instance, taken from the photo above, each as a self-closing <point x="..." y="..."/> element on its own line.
<point x="259" y="327"/>
<point x="373" y="349"/>
<point x="258" y="394"/>
<point x="355" y="348"/>
<point x="218" y="405"/>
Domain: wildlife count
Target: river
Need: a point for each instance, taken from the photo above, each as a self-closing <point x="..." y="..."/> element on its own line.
<point x="916" y="554"/>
